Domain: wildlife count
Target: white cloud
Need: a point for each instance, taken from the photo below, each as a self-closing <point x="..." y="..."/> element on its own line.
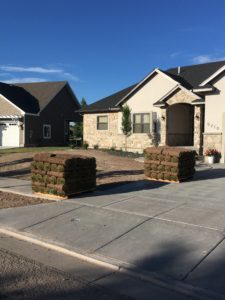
<point x="175" y="54"/>
<point x="72" y="77"/>
<point x="4" y="74"/>
<point x="39" y="70"/>
<point x="201" y="59"/>
<point x="23" y="80"/>
<point x="30" y="69"/>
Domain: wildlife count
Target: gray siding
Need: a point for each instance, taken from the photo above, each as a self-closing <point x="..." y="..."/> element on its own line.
<point x="60" y="110"/>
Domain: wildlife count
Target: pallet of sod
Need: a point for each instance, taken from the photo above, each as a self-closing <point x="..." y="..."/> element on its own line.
<point x="152" y="163"/>
<point x="63" y="175"/>
<point x="169" y="164"/>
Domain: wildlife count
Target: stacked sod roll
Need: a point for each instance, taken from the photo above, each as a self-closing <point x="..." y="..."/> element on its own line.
<point x="62" y="175"/>
<point x="169" y="164"/>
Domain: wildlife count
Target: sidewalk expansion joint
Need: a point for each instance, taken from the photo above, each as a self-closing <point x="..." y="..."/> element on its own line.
<point x="189" y="224"/>
<point x="203" y="258"/>
<point x="51" y="218"/>
<point x="115" y="202"/>
<point x="121" y="235"/>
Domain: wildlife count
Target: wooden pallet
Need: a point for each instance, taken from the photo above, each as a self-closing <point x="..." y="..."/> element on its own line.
<point x="56" y="197"/>
<point x="169" y="181"/>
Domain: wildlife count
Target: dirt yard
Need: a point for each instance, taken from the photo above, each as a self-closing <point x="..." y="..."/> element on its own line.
<point x="111" y="169"/>
<point x="12" y="200"/>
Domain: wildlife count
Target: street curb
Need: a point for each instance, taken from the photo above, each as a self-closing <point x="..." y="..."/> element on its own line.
<point x="152" y="278"/>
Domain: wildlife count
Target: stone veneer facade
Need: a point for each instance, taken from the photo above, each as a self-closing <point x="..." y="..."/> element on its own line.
<point x="183" y="96"/>
<point x="137" y="142"/>
<point x="112" y="137"/>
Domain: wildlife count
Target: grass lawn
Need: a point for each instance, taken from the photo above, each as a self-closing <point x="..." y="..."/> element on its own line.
<point x="31" y="149"/>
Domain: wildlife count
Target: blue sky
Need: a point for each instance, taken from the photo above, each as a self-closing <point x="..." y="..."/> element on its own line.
<point x="101" y="46"/>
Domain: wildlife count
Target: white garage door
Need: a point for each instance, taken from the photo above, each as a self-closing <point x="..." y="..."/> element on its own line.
<point x="9" y="135"/>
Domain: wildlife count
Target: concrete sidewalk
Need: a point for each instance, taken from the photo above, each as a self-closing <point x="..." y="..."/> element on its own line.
<point x="174" y="232"/>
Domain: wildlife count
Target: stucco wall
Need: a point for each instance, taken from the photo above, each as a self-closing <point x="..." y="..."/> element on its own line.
<point x="141" y="102"/>
<point x="154" y="90"/>
<point x="214" y="107"/>
<point x="213" y="140"/>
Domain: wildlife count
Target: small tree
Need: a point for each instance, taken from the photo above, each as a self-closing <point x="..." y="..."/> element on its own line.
<point x="78" y="128"/>
<point x="83" y="102"/>
<point x="126" y="122"/>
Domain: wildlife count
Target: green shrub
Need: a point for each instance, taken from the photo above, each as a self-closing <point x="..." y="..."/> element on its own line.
<point x="85" y="145"/>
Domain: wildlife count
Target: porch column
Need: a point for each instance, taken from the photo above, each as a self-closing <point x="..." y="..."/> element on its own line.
<point x="198" y="128"/>
<point x="163" y="127"/>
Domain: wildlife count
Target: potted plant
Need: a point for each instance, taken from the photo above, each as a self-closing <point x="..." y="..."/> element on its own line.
<point x="212" y="155"/>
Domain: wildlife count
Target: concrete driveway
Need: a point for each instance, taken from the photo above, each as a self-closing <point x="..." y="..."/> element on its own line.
<point x="173" y="230"/>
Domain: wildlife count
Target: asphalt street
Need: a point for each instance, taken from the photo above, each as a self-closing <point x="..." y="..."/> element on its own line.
<point x="23" y="278"/>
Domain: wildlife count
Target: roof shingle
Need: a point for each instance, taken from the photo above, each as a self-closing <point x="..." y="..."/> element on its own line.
<point x="44" y="92"/>
<point x="107" y="103"/>
<point x="20" y="97"/>
<point x="188" y="76"/>
<point x="194" y="75"/>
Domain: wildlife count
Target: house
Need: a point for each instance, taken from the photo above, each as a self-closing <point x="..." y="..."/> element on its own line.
<point x="182" y="106"/>
<point x="36" y="114"/>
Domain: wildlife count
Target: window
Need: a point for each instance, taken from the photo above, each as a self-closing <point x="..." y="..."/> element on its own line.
<point x="141" y="123"/>
<point x="102" y="123"/>
<point x="46" y="131"/>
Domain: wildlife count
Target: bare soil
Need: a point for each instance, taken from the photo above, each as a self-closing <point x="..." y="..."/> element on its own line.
<point x="111" y="170"/>
<point x="12" y="200"/>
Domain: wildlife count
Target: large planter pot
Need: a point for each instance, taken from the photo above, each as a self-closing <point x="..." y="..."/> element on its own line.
<point x="211" y="159"/>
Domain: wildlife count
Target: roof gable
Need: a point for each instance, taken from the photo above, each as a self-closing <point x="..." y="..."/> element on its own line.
<point x="20" y="98"/>
<point x="196" y="74"/>
<point x="188" y="77"/>
<point x="44" y="92"/>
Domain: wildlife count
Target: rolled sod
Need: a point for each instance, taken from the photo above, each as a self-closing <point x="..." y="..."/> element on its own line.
<point x="169" y="163"/>
<point x="62" y="175"/>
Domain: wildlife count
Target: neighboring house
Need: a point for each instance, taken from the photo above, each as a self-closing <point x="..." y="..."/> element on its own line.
<point x="36" y="114"/>
<point x="183" y="106"/>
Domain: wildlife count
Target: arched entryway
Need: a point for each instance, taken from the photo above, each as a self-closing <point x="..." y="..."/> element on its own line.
<point x="180" y="125"/>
